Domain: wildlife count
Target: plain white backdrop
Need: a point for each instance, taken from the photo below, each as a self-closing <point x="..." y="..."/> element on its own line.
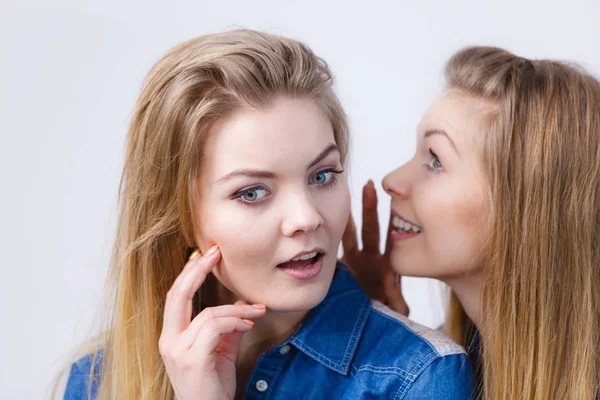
<point x="69" y="75"/>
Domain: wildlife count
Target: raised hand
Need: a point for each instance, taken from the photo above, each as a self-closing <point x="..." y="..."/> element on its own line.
<point x="369" y="266"/>
<point x="200" y="354"/>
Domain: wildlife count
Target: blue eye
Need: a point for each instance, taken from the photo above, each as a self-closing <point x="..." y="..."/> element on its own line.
<point x="325" y="177"/>
<point x="321" y="178"/>
<point x="252" y="195"/>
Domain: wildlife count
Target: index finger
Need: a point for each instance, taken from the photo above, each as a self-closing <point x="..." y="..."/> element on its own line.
<point x="178" y="306"/>
<point x="370" y="222"/>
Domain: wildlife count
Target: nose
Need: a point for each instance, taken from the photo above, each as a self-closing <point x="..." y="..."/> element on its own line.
<point x="301" y="215"/>
<point x="397" y="183"/>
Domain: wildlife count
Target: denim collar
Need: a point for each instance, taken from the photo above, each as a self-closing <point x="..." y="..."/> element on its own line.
<point x="333" y="329"/>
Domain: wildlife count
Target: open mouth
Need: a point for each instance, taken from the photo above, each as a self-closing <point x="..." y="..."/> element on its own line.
<point x="302" y="261"/>
<point x="403" y="226"/>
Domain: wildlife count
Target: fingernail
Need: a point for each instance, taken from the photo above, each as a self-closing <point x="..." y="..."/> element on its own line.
<point x="249" y="322"/>
<point x="259" y="306"/>
<point x="212" y="250"/>
<point x="194" y="254"/>
<point x="370" y="182"/>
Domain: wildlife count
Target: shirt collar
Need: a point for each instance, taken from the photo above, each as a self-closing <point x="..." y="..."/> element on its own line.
<point x="333" y="329"/>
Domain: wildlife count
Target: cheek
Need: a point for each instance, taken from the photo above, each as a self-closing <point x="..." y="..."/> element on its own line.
<point x="451" y="206"/>
<point x="335" y="210"/>
<point x="244" y="237"/>
<point x="453" y="218"/>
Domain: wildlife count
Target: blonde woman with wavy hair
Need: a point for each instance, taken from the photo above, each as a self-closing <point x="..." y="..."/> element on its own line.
<point x="501" y="201"/>
<point x="224" y="282"/>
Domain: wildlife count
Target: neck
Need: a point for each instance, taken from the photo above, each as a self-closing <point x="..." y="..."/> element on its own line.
<point x="271" y="330"/>
<point x="468" y="290"/>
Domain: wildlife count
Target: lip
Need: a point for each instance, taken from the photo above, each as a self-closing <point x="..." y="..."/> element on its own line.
<point x="315" y="250"/>
<point x="306" y="273"/>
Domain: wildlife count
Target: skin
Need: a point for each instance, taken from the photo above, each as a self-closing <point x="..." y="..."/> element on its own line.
<point x="298" y="201"/>
<point x="444" y="195"/>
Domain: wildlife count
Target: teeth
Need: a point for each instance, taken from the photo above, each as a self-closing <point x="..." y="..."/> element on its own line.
<point x="405" y="226"/>
<point x="306" y="257"/>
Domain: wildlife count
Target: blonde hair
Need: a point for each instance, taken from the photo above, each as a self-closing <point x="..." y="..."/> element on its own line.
<point x="541" y="296"/>
<point x="193" y="85"/>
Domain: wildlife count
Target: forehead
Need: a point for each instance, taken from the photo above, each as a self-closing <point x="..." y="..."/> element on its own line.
<point x="287" y="133"/>
<point x="461" y="115"/>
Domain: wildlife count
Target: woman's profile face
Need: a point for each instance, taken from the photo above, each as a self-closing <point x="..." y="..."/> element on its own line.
<point x="273" y="197"/>
<point x="438" y="197"/>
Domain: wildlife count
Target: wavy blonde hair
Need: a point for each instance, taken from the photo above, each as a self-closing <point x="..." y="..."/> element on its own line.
<point x="193" y="85"/>
<point x="541" y="291"/>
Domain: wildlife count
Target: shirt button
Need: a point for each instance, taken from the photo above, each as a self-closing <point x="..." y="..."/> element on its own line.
<point x="261" y="385"/>
<point x="284" y="350"/>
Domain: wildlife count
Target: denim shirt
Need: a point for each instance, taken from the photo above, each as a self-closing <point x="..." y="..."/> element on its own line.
<point x="348" y="348"/>
<point x="474" y="355"/>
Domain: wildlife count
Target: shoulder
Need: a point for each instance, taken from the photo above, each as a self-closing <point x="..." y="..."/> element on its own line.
<point x="424" y="360"/>
<point x="84" y="377"/>
<point x="430" y="340"/>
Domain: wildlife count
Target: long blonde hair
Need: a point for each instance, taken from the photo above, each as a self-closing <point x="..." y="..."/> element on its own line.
<point x="541" y="291"/>
<point x="194" y="84"/>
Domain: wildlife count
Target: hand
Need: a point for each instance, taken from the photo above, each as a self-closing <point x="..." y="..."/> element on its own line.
<point x="371" y="268"/>
<point x="200" y="355"/>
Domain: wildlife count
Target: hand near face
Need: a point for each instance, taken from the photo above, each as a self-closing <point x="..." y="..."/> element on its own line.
<point x="371" y="268"/>
<point x="200" y="354"/>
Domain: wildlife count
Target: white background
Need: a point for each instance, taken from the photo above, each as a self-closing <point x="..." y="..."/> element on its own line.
<point x="70" y="72"/>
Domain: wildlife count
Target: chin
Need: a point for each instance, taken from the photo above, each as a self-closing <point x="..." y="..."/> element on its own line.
<point x="403" y="266"/>
<point x="420" y="269"/>
<point x="294" y="307"/>
<point x="298" y="299"/>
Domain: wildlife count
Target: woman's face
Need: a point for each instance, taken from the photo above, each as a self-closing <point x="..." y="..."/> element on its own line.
<point x="438" y="197"/>
<point x="273" y="197"/>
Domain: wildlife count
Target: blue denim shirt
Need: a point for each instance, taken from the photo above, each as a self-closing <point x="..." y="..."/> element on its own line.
<point x="348" y="348"/>
<point x="474" y="354"/>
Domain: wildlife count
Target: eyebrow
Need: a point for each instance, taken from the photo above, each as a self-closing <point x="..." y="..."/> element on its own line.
<point x="432" y="132"/>
<point x="329" y="149"/>
<point x="257" y="173"/>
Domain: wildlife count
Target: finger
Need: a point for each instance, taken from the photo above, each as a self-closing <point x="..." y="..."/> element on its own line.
<point x="370" y="219"/>
<point x="193" y="260"/>
<point x="178" y="306"/>
<point x="229" y="346"/>
<point x="349" y="239"/>
<point x="241" y="311"/>
<point x="393" y="294"/>
<point x="209" y="337"/>
<point x="193" y="269"/>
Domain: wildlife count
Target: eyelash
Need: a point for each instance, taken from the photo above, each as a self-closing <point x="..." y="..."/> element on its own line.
<point x="333" y="180"/>
<point x="238" y="195"/>
<point x="435" y="158"/>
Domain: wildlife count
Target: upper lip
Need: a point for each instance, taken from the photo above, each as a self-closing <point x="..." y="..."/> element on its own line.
<point x="395" y="214"/>
<point x="315" y="250"/>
